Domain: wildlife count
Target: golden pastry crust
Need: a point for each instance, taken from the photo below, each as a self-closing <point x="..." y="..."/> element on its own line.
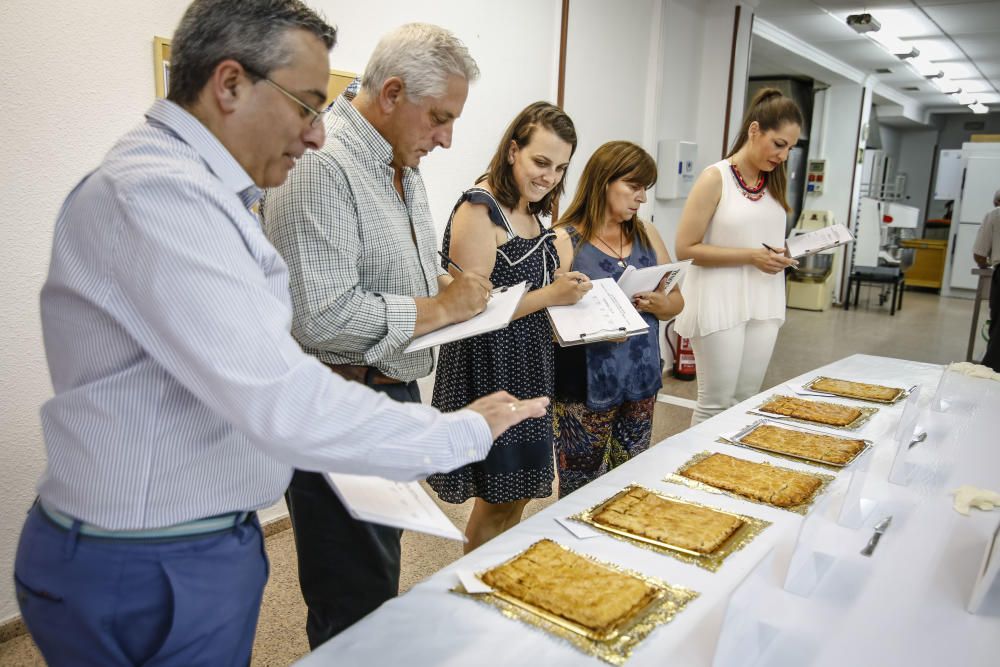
<point x="813" y="411"/>
<point x="849" y="389"/>
<point x="691" y="527"/>
<point x="818" y="446"/>
<point x="757" y="481"/>
<point x="552" y="578"/>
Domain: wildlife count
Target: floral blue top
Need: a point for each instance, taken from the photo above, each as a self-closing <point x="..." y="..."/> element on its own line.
<point x="605" y="375"/>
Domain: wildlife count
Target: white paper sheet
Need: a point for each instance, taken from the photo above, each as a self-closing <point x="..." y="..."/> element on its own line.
<point x="471" y="583"/>
<point x="401" y="504"/>
<point x="634" y="280"/>
<point x="578" y="530"/>
<point x="605" y="312"/>
<point x="499" y="309"/>
<point x="810" y="243"/>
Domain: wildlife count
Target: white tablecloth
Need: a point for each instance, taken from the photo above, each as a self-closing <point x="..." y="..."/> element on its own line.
<point x="905" y="605"/>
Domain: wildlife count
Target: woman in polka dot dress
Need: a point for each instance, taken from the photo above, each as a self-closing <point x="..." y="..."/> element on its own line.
<point x="495" y="231"/>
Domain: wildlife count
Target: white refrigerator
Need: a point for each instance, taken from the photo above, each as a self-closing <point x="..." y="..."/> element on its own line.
<point x="981" y="179"/>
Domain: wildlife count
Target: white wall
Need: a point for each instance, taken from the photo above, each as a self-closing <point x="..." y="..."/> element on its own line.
<point x="75" y="76"/>
<point x="607" y="76"/>
<point x="694" y="71"/>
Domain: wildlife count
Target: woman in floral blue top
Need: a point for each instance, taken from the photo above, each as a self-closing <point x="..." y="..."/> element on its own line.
<point x="605" y="392"/>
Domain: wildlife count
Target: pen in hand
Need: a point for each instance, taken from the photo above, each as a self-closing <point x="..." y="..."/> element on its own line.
<point x="763" y="244"/>
<point x="449" y="260"/>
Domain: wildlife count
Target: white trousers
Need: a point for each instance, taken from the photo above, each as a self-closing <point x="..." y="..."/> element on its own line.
<point x="731" y="364"/>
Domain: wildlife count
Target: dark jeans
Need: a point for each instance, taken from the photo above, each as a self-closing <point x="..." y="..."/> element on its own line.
<point x="347" y="568"/>
<point x="992" y="356"/>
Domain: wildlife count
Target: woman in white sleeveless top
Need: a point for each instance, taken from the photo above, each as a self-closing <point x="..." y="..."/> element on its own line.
<point x="734" y="293"/>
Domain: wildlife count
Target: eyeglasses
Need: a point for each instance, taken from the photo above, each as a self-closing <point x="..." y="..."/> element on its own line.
<point x="317" y="116"/>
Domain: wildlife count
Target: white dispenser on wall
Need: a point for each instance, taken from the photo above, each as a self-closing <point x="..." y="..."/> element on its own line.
<point x="675" y="163"/>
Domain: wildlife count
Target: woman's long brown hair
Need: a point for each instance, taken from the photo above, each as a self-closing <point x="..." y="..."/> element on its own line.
<point x="500" y="174"/>
<point x="615" y="160"/>
<point x="770" y="110"/>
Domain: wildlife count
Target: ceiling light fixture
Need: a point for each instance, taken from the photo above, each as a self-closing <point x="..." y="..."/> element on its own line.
<point x="867" y="25"/>
<point x="863" y="23"/>
<point x="925" y="67"/>
<point x="946" y="85"/>
<point x="979" y="107"/>
<point x="894" y="45"/>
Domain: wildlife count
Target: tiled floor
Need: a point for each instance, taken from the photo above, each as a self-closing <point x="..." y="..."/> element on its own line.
<point x="928" y="328"/>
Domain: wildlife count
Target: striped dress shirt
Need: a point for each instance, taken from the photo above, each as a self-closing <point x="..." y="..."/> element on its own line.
<point x="357" y="253"/>
<point x="179" y="393"/>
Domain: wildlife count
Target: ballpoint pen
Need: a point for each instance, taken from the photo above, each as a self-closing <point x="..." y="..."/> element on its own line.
<point x="772" y="249"/>
<point x="450" y="261"/>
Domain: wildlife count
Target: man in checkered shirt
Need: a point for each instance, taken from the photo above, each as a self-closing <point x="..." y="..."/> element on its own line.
<point x="354" y="226"/>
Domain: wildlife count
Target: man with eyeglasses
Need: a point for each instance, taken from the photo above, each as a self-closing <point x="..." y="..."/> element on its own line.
<point x="181" y="400"/>
<point x="354" y="225"/>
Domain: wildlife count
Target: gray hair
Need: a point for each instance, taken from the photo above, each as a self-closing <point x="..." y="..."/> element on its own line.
<point x="996" y="198"/>
<point x="423" y="56"/>
<point x="251" y="32"/>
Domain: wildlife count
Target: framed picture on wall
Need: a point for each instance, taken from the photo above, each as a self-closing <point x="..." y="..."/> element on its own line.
<point x="161" y="65"/>
<point x="339" y="79"/>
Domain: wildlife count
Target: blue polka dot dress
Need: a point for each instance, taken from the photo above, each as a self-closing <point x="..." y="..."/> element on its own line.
<point x="517" y="359"/>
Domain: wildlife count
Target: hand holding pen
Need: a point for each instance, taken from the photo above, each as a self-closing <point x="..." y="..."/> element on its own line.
<point x="771" y="260"/>
<point x="466" y="295"/>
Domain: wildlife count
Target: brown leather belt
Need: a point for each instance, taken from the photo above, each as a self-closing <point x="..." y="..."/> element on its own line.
<point x="362" y="374"/>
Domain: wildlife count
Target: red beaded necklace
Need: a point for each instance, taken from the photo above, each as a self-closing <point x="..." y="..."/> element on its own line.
<point x="754" y="193"/>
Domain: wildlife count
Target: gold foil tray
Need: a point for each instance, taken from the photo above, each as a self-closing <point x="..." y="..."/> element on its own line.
<point x="614" y="648"/>
<point x="802" y="508"/>
<point x="751" y="527"/>
<point x="866" y="414"/>
<point x="829" y="465"/>
<point x="900" y="393"/>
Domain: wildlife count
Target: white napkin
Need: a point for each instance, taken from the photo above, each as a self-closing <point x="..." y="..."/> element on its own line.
<point x="974" y="370"/>
<point x="967" y="497"/>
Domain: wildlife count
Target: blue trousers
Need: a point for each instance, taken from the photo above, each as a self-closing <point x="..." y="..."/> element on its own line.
<point x="97" y="601"/>
<point x="347" y="568"/>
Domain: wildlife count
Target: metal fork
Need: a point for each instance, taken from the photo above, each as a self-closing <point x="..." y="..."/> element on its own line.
<point x="880" y="528"/>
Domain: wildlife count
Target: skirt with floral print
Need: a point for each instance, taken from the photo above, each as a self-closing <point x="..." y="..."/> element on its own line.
<point x="589" y="443"/>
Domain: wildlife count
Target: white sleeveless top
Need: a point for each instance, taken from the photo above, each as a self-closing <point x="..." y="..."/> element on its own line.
<point x="721" y="297"/>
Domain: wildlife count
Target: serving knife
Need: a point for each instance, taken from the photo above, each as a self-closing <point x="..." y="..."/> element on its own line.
<point x="880" y="528"/>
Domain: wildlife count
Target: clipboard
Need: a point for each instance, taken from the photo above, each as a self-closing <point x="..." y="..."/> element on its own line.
<point x="810" y="243"/>
<point x="604" y="313"/>
<point x="635" y="280"/>
<point x="389" y="503"/>
<point x="497" y="315"/>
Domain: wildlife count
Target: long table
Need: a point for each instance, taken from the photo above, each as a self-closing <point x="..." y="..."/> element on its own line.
<point x="904" y="605"/>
